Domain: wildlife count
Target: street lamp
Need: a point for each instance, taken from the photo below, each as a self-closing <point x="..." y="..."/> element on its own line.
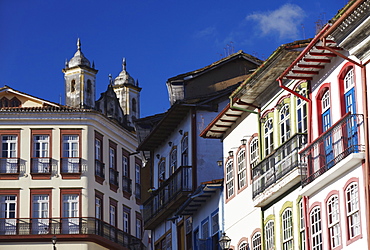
<point x="224" y="242"/>
<point x="54" y="241"/>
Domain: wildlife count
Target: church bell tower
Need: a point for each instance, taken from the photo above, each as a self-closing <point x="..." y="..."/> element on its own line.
<point x="79" y="81"/>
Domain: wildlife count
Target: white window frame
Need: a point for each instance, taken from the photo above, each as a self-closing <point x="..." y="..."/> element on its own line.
<point x="316" y="229"/>
<point x="349" y="80"/>
<point x="287" y="225"/>
<point x="332" y="206"/>
<point x="230" y="178"/>
<point x="41" y="146"/>
<point x="302" y="232"/>
<point x="242" y="169"/>
<point x="284" y="123"/>
<point x="243" y="246"/>
<point x="173" y="160"/>
<point x="302" y="112"/>
<point x="270" y="235"/>
<point x="11" y="148"/>
<point x="268" y="136"/>
<point x="184" y="151"/>
<point x="257" y="241"/>
<point x="325" y="101"/>
<point x="352" y="210"/>
<point x="254" y="152"/>
<point x="126" y="221"/>
<point x="112" y="215"/>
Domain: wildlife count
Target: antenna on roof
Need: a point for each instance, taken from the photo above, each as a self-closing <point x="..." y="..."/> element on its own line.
<point x="303" y="30"/>
<point x="320" y="22"/>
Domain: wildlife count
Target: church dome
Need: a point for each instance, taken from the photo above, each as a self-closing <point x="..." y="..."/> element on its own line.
<point x="124" y="77"/>
<point x="78" y="59"/>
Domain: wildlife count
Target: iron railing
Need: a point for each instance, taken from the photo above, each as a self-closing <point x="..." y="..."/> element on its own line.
<point x="9" y="165"/>
<point x="278" y="164"/>
<point x="70" y="165"/>
<point x="335" y="144"/>
<point x="41" y="165"/>
<point x="179" y="181"/>
<point x="137" y="191"/>
<point x="67" y="226"/>
<point x="113" y="176"/>
<point x="99" y="169"/>
<point x="127" y="184"/>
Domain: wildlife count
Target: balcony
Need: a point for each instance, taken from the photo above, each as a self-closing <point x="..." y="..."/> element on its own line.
<point x="9" y="168"/>
<point x="338" y="148"/>
<point x="99" y="171"/>
<point x="113" y="179"/>
<point x="278" y="172"/>
<point x="137" y="191"/>
<point x="168" y="197"/>
<point x="126" y="185"/>
<point x="83" y="228"/>
<point x="41" y="168"/>
<point x="70" y="168"/>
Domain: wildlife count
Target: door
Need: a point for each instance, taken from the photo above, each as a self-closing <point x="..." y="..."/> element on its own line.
<point x="350" y="102"/>
<point x="40" y="214"/>
<point x="70" y="221"/>
<point x="328" y="147"/>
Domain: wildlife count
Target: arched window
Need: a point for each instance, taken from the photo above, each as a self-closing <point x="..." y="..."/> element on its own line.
<point x="268" y="136"/>
<point x="352" y="210"/>
<point x="325" y="111"/>
<point x="173" y="158"/>
<point x="4" y="102"/>
<point x="89" y="86"/>
<point x="161" y="171"/>
<point x="242" y="170"/>
<point x="347" y="88"/>
<point x="229" y="178"/>
<point x="333" y="221"/>
<point x="284" y="123"/>
<point x="302" y="112"/>
<point x="256" y="241"/>
<point x="73" y="85"/>
<point x="243" y="246"/>
<point x="270" y="235"/>
<point x="254" y="152"/>
<point x="184" y="151"/>
<point x="316" y="231"/>
<point x="133" y="104"/>
<point x="287" y="223"/>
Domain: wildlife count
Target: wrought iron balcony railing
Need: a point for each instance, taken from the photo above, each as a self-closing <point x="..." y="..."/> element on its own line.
<point x="70" y="165"/>
<point x="99" y="169"/>
<point x="278" y="164"/>
<point x="41" y="165"/>
<point x="127" y="184"/>
<point x="335" y="144"/>
<point x="9" y="165"/>
<point x="113" y="176"/>
<point x="180" y="182"/>
<point x="137" y="191"/>
<point x="15" y="227"/>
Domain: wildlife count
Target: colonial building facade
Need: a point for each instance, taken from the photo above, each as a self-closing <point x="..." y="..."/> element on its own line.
<point x="69" y="172"/>
<point x="307" y="144"/>
<point x="182" y="170"/>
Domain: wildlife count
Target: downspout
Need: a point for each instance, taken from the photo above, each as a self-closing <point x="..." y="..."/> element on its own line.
<point x="306" y="222"/>
<point x="366" y="131"/>
<point x="194" y="147"/>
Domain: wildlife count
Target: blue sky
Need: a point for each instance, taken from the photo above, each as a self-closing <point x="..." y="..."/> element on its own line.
<point x="159" y="39"/>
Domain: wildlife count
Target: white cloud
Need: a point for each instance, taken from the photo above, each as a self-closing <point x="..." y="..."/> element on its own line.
<point x="207" y="32"/>
<point x="285" y="21"/>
